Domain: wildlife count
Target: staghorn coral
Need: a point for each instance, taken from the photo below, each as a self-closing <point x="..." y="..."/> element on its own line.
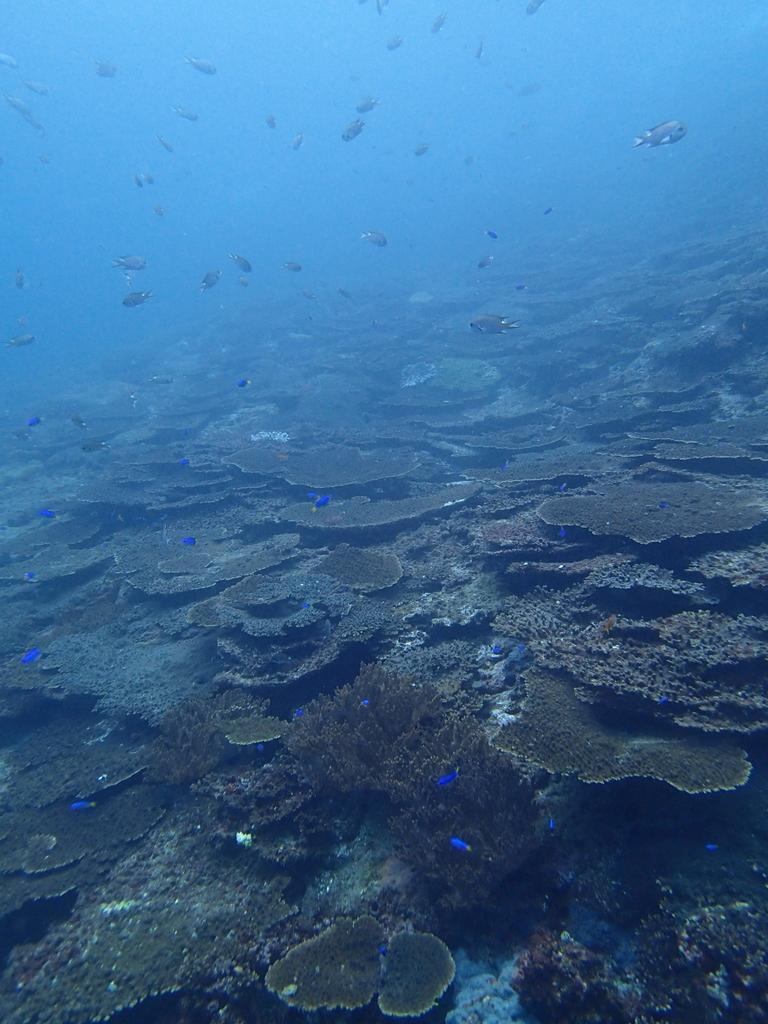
<point x="649" y="512"/>
<point x="564" y="735"/>
<point x="417" y="971"/>
<point x="338" y="968"/>
<point x="385" y="733"/>
<point x="362" y="568"/>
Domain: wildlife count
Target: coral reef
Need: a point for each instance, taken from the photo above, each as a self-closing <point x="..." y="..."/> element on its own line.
<point x="564" y="735"/>
<point x="338" y="968"/>
<point x="559" y="980"/>
<point x="418" y="969"/>
<point x="362" y="569"/>
<point x="650" y="512"/>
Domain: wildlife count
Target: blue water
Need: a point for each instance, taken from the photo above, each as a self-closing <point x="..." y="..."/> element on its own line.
<point x="152" y="457"/>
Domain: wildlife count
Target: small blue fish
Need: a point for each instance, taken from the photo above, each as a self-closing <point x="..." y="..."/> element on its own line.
<point x="459" y="844"/>
<point x="491" y="234"/>
<point x="305" y="605"/>
<point x="562" y="532"/>
<point x="496" y="650"/>
<point x="711" y="847"/>
<point x="34" y="421"/>
<point x="259" y="747"/>
<point x="663" y="699"/>
<point x="243" y="382"/>
<point x="322" y="501"/>
<point x="663" y="504"/>
<point x="30" y="656"/>
<point x="521" y="287"/>
<point x="189" y="541"/>
<point x="312" y="495"/>
<point x="522" y="649"/>
<point x="298" y="713"/>
<point x="549" y="209"/>
<point x="82" y="805"/>
<point x="47" y="513"/>
<point x="505" y="466"/>
<point x="562" y="487"/>
<point x="364" y="702"/>
<point x="30" y="576"/>
<point x="448" y="778"/>
<point x="382" y="949"/>
<point x="551" y="824"/>
<point x="184" y="461"/>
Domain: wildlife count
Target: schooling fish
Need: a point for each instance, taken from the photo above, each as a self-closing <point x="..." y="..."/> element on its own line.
<point x="105" y="70"/>
<point x="210" y="280"/>
<point x="206" y="67"/>
<point x="20" y="340"/>
<point x="30" y="656"/>
<point x="365" y="106"/>
<point x="353" y="130"/>
<point x="421" y="149"/>
<point x="19" y="279"/>
<point x="395" y="42"/>
<point x="375" y="238"/>
<point x="165" y="144"/>
<point x="438" y="23"/>
<point x="23" y="110"/>
<point x="136" y="298"/>
<point x="662" y="135"/>
<point x="130" y="262"/>
<point x="39" y="88"/>
<point x="298" y="140"/>
<point x="242" y="262"/>
<point x="490" y="323"/>
<point x="188" y="115"/>
<point x="533" y="6"/>
<point x="270" y="121"/>
<point x="8" y="61"/>
<point x="486" y="261"/>
<point x="294" y="267"/>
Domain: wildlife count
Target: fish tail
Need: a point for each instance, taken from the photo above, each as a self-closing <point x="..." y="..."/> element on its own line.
<point x="639" y="140"/>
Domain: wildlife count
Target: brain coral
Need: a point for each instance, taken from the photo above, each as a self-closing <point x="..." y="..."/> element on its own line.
<point x="562" y="734"/>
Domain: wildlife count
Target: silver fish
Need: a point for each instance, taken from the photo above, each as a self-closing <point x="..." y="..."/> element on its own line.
<point x="662" y="135"/>
<point x="23" y="110"/>
<point x="395" y="42"/>
<point x="8" y="61"/>
<point x="105" y="70"/>
<point x="130" y="262"/>
<point x="188" y="115"/>
<point x="298" y="139"/>
<point x="165" y="144"/>
<point x="438" y="23"/>
<point x="491" y="323"/>
<point x="207" y="67"/>
<point x="39" y="88"/>
<point x="375" y="238"/>
<point x="533" y="6"/>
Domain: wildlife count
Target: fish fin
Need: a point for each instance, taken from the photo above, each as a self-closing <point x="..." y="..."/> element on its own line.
<point x="639" y="140"/>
